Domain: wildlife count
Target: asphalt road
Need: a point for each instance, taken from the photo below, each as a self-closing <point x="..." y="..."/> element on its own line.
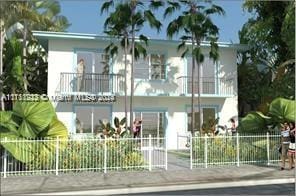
<point x="275" y="189"/>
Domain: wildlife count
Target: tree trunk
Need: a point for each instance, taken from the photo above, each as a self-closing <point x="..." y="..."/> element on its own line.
<point x="24" y="59"/>
<point x="1" y="49"/>
<point x="132" y="69"/>
<point x="2" y="105"/>
<point x="199" y="87"/>
<point x="192" y="88"/>
<point x="198" y="96"/>
<point x="125" y="80"/>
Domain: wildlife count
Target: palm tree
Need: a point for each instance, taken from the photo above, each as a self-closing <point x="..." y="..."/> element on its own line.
<point x="116" y="27"/>
<point x="196" y="25"/>
<point x="20" y="17"/>
<point x="127" y="19"/>
<point x="7" y="10"/>
<point x="38" y="15"/>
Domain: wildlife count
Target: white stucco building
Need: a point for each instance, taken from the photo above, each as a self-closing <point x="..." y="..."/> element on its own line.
<point x="162" y="89"/>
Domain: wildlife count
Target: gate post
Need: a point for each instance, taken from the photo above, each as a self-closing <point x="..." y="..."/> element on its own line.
<point x="105" y="155"/>
<point x="237" y="149"/>
<point x="206" y="151"/>
<point x="268" y="155"/>
<point x="150" y="153"/>
<point x="191" y="150"/>
<point x="5" y="160"/>
<point x="166" y="154"/>
<point x="57" y="156"/>
<point x="177" y="140"/>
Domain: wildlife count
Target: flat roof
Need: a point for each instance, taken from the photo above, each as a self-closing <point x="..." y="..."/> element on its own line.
<point x="49" y="35"/>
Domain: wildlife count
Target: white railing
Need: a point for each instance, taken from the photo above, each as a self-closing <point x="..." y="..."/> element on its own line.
<point x="238" y="149"/>
<point x="77" y="155"/>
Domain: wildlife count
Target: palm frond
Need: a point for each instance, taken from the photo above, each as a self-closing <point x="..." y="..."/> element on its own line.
<point x="111" y="49"/>
<point x="106" y="6"/>
<point x="181" y="46"/>
<point x="171" y="9"/>
<point x="215" y="9"/>
<point x="144" y="39"/>
<point x="214" y="51"/>
<point x="140" y="51"/>
<point x="185" y="37"/>
<point x="174" y="27"/>
<point x="155" y="4"/>
<point x="153" y="22"/>
<point x="197" y="55"/>
<point x="185" y="52"/>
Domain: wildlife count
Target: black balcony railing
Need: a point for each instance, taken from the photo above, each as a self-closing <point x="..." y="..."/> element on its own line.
<point x="207" y="85"/>
<point x="91" y="83"/>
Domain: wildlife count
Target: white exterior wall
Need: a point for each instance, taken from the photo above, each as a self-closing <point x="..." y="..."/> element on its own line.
<point x="61" y="58"/>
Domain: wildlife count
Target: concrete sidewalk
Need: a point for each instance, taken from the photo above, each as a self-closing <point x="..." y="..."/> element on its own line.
<point x="133" y="179"/>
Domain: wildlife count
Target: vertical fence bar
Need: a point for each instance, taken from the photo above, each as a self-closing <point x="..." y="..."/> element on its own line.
<point x="237" y="149"/>
<point x="206" y="151"/>
<point x="166" y="154"/>
<point x="150" y="153"/>
<point x="57" y="157"/>
<point x="191" y="149"/>
<point x="5" y="160"/>
<point x="105" y="155"/>
<point x="267" y="146"/>
<point x="177" y="140"/>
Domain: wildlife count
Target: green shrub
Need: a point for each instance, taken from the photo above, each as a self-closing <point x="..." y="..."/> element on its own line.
<point x="89" y="155"/>
<point x="224" y="150"/>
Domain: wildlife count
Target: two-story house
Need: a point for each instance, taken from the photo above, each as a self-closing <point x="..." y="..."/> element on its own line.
<point x="162" y="88"/>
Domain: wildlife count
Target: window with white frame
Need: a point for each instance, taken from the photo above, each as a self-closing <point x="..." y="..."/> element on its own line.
<point x="95" y="62"/>
<point x="96" y="70"/>
<point x="151" y="67"/>
<point x="87" y="118"/>
<point x="206" y="114"/>
<point x="207" y="76"/>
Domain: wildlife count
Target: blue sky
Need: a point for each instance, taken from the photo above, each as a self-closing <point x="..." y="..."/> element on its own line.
<point x="84" y="15"/>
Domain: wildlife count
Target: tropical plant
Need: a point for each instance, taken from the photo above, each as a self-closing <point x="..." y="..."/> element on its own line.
<point x="38" y="15"/>
<point x="271" y="52"/>
<point x="127" y="19"/>
<point x="196" y="25"/>
<point x="209" y="127"/>
<point x="223" y="149"/>
<point x="19" y="18"/>
<point x="30" y="121"/>
<point x="90" y="155"/>
<point x="13" y="70"/>
<point x="280" y="110"/>
<point x="119" y="129"/>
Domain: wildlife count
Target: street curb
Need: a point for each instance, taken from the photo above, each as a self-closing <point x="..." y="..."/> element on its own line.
<point x="151" y="189"/>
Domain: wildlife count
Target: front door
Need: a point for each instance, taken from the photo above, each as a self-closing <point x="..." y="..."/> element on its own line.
<point x="152" y="123"/>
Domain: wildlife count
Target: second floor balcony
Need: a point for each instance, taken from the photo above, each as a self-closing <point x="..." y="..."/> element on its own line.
<point x="206" y="86"/>
<point x="90" y="83"/>
<point x="113" y="84"/>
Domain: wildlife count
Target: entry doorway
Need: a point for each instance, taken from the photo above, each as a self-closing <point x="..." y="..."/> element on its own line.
<point x="152" y="123"/>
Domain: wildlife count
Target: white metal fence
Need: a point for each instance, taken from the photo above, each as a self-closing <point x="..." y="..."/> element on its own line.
<point x="207" y="151"/>
<point x="76" y="155"/>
